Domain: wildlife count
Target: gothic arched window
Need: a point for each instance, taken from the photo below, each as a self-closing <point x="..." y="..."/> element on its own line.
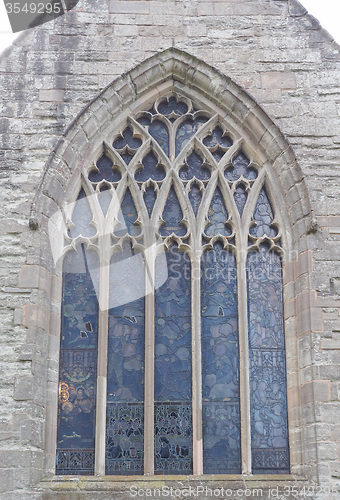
<point x="172" y="357"/>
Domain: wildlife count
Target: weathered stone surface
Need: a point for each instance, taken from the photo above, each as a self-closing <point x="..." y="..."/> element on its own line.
<point x="290" y="66"/>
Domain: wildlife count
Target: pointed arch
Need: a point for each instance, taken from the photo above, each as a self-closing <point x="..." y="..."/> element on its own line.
<point x="232" y="126"/>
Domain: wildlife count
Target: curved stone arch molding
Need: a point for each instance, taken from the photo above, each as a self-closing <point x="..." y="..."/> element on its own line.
<point x="176" y="70"/>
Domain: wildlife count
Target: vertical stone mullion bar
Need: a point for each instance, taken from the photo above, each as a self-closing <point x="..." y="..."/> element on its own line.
<point x="244" y="357"/>
<point x="196" y="367"/>
<point x="104" y="287"/>
<point x="149" y="373"/>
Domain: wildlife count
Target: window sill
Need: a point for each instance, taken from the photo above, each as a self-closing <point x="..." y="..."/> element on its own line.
<point x="123" y="484"/>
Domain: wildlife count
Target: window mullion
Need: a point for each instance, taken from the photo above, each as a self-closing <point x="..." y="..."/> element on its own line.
<point x="196" y="369"/>
<point x="244" y="357"/>
<point x="104" y="286"/>
<point x="149" y="371"/>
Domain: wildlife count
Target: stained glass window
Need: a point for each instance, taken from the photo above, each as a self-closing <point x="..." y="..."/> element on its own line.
<point x="172" y="304"/>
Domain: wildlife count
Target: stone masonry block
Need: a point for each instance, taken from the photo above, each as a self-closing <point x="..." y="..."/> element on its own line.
<point x="288" y="272"/>
<point x="304" y="263"/>
<point x="51" y="95"/>
<point x="278" y="80"/>
<point x="35" y="316"/>
<point x="309" y="320"/>
<point x="129" y="7"/>
<point x="305" y="300"/>
<point x="23" y="388"/>
<point x="318" y="390"/>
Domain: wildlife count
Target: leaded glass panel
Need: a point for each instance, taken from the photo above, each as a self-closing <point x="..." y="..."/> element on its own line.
<point x="172" y="156"/>
<point x="125" y="365"/>
<point x="78" y="367"/>
<point x="239" y="167"/>
<point x="220" y="363"/>
<point x="268" y="399"/>
<point x="263" y="217"/>
<point x="172" y="216"/>
<point x="173" y="422"/>
<point x="218" y="216"/>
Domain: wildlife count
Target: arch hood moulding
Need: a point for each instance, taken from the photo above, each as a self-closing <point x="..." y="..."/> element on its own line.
<point x="169" y="70"/>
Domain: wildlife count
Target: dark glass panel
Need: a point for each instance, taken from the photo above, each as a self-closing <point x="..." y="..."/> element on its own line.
<point x="186" y="131"/>
<point x="105" y="171"/>
<point x="79" y="310"/>
<point x="220" y="363"/>
<point x="172" y="330"/>
<point x="173" y="438"/>
<point x="217" y="143"/>
<point x="150" y="170"/>
<point x="160" y="133"/>
<point x="193" y="168"/>
<point x="221" y="438"/>
<point x="127" y="139"/>
<point x="268" y="400"/>
<point x="81" y="218"/>
<point x="195" y="197"/>
<point x="127" y="217"/>
<point x="77" y="367"/>
<point x="173" y="421"/>
<point x="240" y="167"/>
<point x="172" y="106"/>
<point x="263" y="216"/>
<point x="126" y="353"/>
<point x="124" y="439"/>
<point x="217" y="216"/>
<point x="172" y="216"/>
<point x="104" y="198"/>
<point x="79" y="462"/>
<point x="125" y="368"/>
<point x="217" y="138"/>
<point x="150" y="197"/>
<point x="240" y="197"/>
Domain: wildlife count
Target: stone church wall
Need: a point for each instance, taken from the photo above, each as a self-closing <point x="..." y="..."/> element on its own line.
<point x="283" y="59"/>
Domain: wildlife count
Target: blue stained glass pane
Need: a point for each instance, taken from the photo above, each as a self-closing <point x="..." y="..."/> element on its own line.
<point x="217" y="216"/>
<point x="151" y="169"/>
<point x="173" y="330"/>
<point x="193" y="168"/>
<point x="127" y="139"/>
<point x="125" y="365"/>
<point x="240" y="197"/>
<point x="124" y="439"/>
<point x="221" y="438"/>
<point x="173" y="421"/>
<point x="240" y="167"/>
<point x="220" y="363"/>
<point x="186" y="131"/>
<point x="173" y="438"/>
<point x="79" y="311"/>
<point x="127" y="217"/>
<point x="172" y="106"/>
<point x="159" y="131"/>
<point x="172" y="216"/>
<point x="217" y="143"/>
<point x="195" y="197"/>
<point x="104" y="165"/>
<point x="268" y="400"/>
<point x="78" y="367"/>
<point x="81" y="218"/>
<point x="104" y="198"/>
<point x="217" y="138"/>
<point x="263" y="216"/>
<point x="150" y="197"/>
